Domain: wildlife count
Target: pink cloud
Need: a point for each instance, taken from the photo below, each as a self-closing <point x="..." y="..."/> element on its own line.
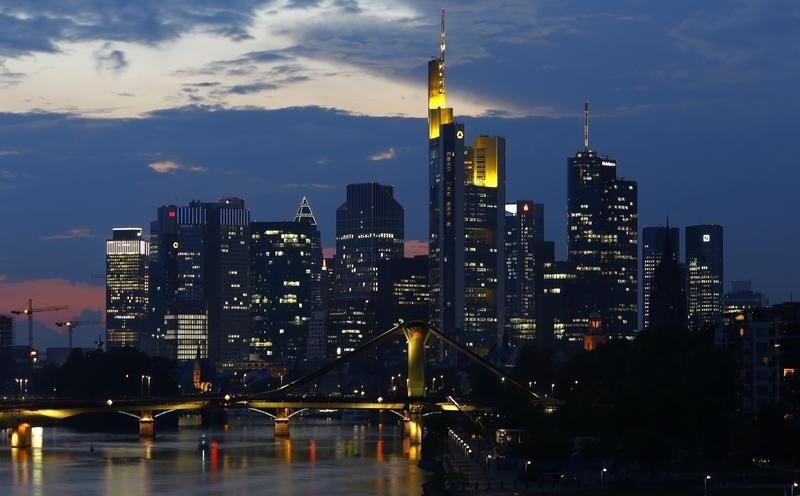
<point x="328" y="252"/>
<point x="415" y="247"/>
<point x="78" y="296"/>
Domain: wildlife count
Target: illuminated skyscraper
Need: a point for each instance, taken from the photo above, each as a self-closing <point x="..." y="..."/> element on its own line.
<point x="127" y="264"/>
<point x="704" y="260"/>
<point x="603" y="239"/>
<point x="369" y="230"/>
<point x="199" y="281"/>
<point x="524" y="222"/>
<point x="652" y="252"/>
<point x="286" y="260"/>
<point x="466" y="224"/>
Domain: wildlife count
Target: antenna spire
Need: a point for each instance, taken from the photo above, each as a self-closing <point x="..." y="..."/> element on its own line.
<point x="586" y="125"/>
<point x="442" y="44"/>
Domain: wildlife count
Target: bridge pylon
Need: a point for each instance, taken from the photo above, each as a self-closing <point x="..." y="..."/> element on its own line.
<point x="20" y="436"/>
<point x="147" y="424"/>
<point x="416" y="338"/>
<point x="282" y="422"/>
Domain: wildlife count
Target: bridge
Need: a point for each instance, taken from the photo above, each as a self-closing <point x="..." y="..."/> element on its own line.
<point x="20" y="415"/>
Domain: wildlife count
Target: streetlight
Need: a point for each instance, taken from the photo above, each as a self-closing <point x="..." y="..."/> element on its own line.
<point x="527" y="462"/>
<point x="553" y="390"/>
<point x="794" y="485"/>
<point x="145" y="379"/>
<point x="433" y="384"/>
<point x="705" y="484"/>
<point x="602" y="473"/>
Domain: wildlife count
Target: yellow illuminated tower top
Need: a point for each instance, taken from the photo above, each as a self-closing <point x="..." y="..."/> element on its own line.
<point x="438" y="113"/>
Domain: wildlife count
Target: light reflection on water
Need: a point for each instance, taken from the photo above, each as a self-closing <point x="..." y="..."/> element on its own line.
<point x="320" y="458"/>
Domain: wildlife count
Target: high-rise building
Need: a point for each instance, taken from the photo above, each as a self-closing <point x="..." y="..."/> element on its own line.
<point x="466" y="223"/>
<point x="668" y="299"/>
<point x="403" y="292"/>
<point x="742" y="297"/>
<point x="704" y="261"/>
<point x="652" y="252"/>
<point x="199" y="273"/>
<point x="369" y="230"/>
<point x="484" y="243"/>
<point x="6" y="332"/>
<point x="286" y="262"/>
<point x="524" y="223"/>
<point x="602" y="239"/>
<point x="127" y="267"/>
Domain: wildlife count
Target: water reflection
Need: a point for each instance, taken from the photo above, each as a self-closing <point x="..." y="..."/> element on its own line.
<point x="322" y="458"/>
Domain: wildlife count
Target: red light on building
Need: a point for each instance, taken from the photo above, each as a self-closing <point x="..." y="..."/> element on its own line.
<point x="525" y="207"/>
<point x="171" y="213"/>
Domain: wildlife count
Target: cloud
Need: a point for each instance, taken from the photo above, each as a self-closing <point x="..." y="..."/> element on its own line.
<point x="3" y="277"/>
<point x="40" y="25"/>
<point x="108" y="59"/>
<point x="74" y="233"/>
<point x="414" y="247"/>
<point x="246" y="89"/>
<point x="329" y="252"/>
<point x="9" y="77"/>
<point x="171" y="167"/>
<point x="5" y="153"/>
<point x="306" y="186"/>
<point x="389" y="154"/>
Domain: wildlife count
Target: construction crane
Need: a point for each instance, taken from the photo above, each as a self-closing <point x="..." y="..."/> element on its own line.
<point x="75" y="323"/>
<point x="30" y="311"/>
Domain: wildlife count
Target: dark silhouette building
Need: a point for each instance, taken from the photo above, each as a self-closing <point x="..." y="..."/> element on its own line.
<point x="668" y="299"/>
<point x="652" y="253"/>
<point x="285" y="290"/>
<point x="705" y="264"/>
<point x="742" y="297"/>
<point x="602" y="239"/>
<point x="6" y="332"/>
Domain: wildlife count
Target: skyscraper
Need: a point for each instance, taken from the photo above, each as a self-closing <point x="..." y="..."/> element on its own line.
<point x="484" y="243"/>
<point x="524" y="222"/>
<point x="668" y="299"/>
<point x="466" y="223"/>
<point x="127" y="266"/>
<point x="652" y="252"/>
<point x="704" y="261"/>
<point x="602" y="239"/>
<point x="369" y="230"/>
<point x="199" y="273"/>
<point x="286" y="260"/>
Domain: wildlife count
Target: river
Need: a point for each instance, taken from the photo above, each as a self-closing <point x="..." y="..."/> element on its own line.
<point x="321" y="457"/>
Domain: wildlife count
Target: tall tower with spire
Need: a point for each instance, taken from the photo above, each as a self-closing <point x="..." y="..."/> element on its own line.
<point x="466" y="198"/>
<point x="602" y="239"/>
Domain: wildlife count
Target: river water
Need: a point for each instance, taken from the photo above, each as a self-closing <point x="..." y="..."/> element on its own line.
<point x="321" y="457"/>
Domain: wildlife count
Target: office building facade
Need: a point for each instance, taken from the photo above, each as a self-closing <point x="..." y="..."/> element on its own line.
<point x="286" y="264"/>
<point x="127" y="275"/>
<point x="524" y="226"/>
<point x="705" y="265"/>
<point x="369" y="230"/>
<point x="200" y="265"/>
<point x="602" y="239"/>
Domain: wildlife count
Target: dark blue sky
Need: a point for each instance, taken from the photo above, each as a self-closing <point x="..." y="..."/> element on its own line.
<point x="696" y="100"/>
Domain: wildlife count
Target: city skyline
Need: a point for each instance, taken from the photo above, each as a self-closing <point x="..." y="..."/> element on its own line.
<point x="171" y="173"/>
